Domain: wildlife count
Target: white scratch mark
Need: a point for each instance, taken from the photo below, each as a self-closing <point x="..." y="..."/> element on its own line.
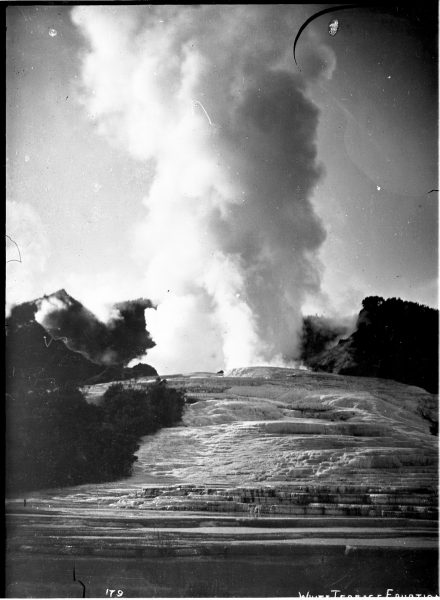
<point x="64" y="339"/>
<point x="204" y="110"/>
<point x="18" y="249"/>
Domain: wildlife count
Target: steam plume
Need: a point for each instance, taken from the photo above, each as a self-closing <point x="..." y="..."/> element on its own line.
<point x="211" y="95"/>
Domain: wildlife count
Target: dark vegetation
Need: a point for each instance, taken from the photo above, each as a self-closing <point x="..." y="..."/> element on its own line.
<point x="142" y="411"/>
<point x="53" y="436"/>
<point x="394" y="339"/>
<point x="118" y="373"/>
<point x="56" y="438"/>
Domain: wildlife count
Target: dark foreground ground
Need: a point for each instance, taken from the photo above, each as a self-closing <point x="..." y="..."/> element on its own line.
<point x="163" y="554"/>
<point x="314" y="570"/>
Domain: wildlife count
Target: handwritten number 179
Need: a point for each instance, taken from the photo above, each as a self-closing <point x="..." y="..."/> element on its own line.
<point x="112" y="594"/>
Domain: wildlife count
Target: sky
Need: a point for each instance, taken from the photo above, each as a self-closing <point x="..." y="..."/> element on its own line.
<point x="178" y="153"/>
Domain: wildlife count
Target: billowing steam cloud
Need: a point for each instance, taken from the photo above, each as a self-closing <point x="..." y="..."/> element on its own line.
<point x="123" y="338"/>
<point x="210" y="94"/>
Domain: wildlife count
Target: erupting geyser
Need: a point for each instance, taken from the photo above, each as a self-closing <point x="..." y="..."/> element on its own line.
<point x="230" y="236"/>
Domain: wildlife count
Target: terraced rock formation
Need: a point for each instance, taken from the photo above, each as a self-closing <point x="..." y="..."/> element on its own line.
<point x="304" y="477"/>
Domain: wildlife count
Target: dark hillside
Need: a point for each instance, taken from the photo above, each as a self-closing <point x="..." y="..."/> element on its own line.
<point x="54" y="437"/>
<point x="394" y="339"/>
<point x="42" y="357"/>
<point x="123" y="338"/>
<point x="33" y="355"/>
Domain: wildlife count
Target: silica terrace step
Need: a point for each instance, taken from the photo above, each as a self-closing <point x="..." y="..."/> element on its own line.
<point x="304" y="500"/>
